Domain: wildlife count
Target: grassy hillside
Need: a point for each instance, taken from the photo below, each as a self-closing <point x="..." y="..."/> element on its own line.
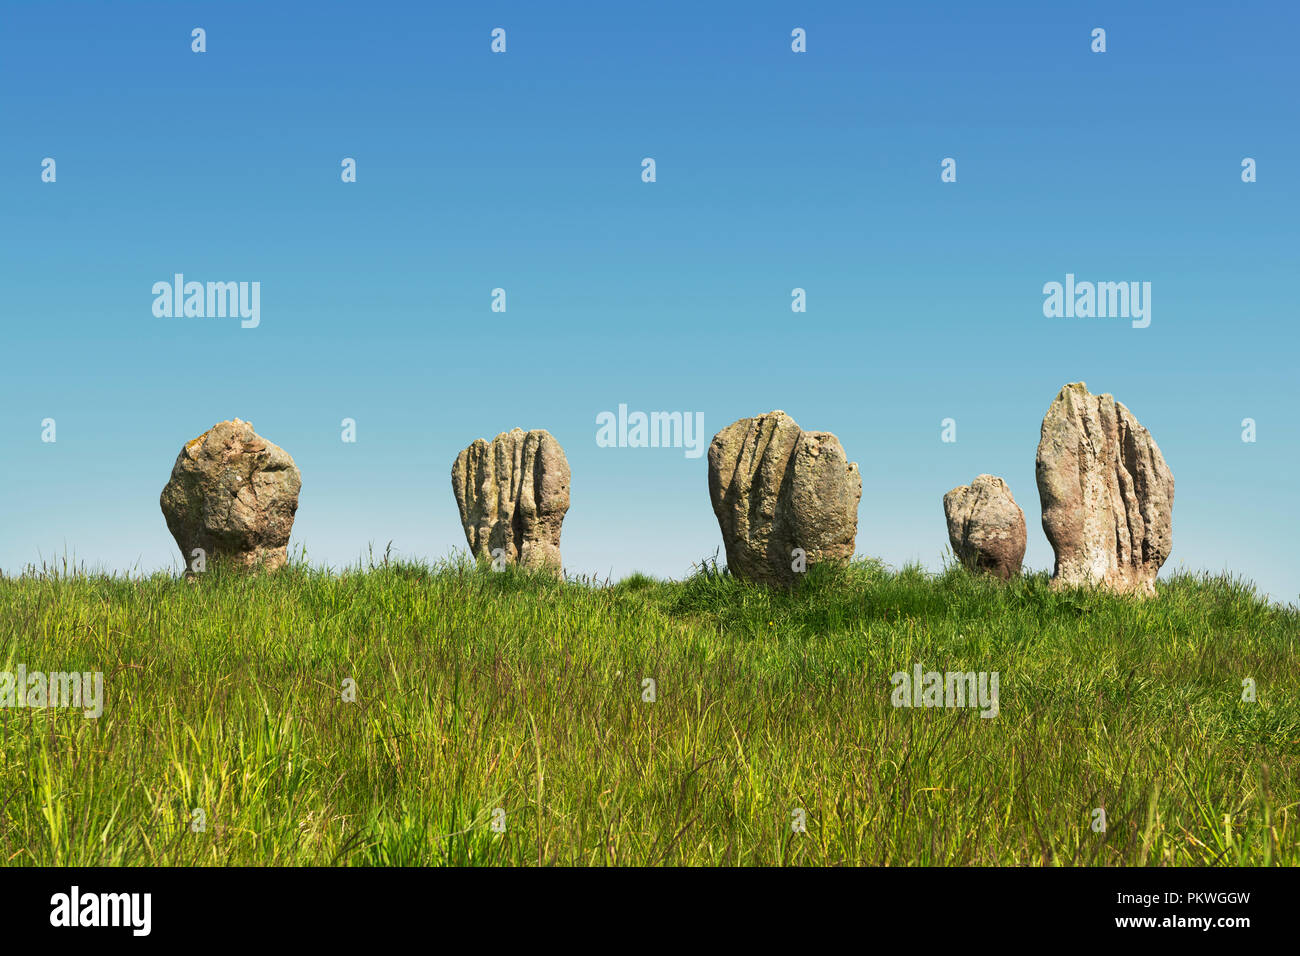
<point x="478" y="690"/>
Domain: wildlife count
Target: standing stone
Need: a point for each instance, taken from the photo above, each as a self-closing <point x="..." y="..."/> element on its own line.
<point x="1107" y="494"/>
<point x="513" y="494"/>
<point x="233" y="494"/>
<point x="776" y="488"/>
<point x="986" y="526"/>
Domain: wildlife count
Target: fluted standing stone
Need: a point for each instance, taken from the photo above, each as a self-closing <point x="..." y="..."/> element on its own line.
<point x="986" y="527"/>
<point x="513" y="493"/>
<point x="775" y="488"/>
<point x="1107" y="494"/>
<point x="233" y="494"/>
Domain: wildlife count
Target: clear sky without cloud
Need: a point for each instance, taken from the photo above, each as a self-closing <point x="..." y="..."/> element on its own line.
<point x="522" y="171"/>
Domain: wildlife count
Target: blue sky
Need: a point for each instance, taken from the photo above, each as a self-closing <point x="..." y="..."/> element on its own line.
<point x="522" y="171"/>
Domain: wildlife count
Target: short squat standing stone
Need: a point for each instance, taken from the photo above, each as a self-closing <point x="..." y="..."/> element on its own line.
<point x="986" y="526"/>
<point x="776" y="488"/>
<point x="233" y="495"/>
<point x="513" y="493"/>
<point x="1107" y="494"/>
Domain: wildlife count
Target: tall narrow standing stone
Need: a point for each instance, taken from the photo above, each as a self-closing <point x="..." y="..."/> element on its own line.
<point x="1107" y="494"/>
<point x="513" y="494"/>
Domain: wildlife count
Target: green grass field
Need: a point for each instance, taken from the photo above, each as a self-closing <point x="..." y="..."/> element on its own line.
<point x="478" y="691"/>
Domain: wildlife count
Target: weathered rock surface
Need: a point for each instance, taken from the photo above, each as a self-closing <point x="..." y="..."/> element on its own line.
<point x="1106" y="491"/>
<point x="513" y="493"/>
<point x="986" y="526"/>
<point x="776" y="488"/>
<point x="233" y="494"/>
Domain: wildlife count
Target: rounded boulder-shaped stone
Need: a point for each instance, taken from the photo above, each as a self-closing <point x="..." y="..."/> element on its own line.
<point x="986" y="527"/>
<point x="784" y="498"/>
<point x="232" y="494"/>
